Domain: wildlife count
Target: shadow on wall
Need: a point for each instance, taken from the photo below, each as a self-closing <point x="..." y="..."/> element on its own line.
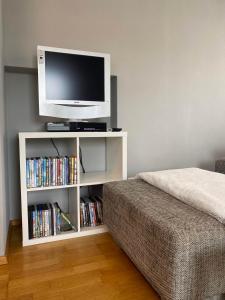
<point x="218" y="154"/>
<point x="21" y="95"/>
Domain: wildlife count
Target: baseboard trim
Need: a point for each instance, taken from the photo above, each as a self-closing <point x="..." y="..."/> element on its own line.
<point x="15" y="222"/>
<point x="4" y="258"/>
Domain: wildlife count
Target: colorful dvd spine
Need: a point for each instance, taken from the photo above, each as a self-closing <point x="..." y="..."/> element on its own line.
<point x="39" y="172"/>
<point x="33" y="222"/>
<point x="27" y="174"/>
<point x="51" y="171"/>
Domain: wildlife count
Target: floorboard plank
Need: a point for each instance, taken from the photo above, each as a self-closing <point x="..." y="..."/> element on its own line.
<point x="92" y="267"/>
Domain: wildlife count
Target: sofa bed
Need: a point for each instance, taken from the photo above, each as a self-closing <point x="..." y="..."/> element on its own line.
<point x="179" y="249"/>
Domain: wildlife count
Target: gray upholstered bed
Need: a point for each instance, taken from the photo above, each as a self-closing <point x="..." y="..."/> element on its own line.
<point x="179" y="250"/>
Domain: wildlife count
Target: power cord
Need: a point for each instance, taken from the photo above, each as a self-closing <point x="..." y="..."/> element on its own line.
<point x="81" y="157"/>
<point x="54" y="145"/>
<point x="81" y="160"/>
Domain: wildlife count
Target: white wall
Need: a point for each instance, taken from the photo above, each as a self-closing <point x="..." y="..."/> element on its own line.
<point x="4" y="209"/>
<point x="169" y="56"/>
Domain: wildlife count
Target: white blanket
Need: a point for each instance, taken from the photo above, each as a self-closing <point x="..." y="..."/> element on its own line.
<point x="201" y="189"/>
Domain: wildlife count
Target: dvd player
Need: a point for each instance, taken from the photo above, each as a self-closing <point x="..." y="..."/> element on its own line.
<point x="76" y="126"/>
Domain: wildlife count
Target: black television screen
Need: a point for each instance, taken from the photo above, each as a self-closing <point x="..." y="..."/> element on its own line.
<point x="74" y="77"/>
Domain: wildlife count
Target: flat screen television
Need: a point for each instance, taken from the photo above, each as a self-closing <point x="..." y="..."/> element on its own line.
<point x="73" y="84"/>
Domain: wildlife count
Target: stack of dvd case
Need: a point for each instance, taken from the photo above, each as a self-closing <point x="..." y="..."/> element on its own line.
<point x="91" y="213"/>
<point x="47" y="219"/>
<point x="51" y="171"/>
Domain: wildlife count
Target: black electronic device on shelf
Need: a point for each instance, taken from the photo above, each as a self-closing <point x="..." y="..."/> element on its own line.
<point x="76" y="126"/>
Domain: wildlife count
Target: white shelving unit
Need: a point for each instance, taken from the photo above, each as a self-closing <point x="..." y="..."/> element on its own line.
<point x="115" y="168"/>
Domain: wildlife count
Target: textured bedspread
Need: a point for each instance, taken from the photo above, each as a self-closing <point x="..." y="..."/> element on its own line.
<point x="180" y="250"/>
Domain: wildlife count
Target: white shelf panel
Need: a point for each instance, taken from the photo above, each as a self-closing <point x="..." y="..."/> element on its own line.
<point x="93" y="178"/>
<point x="51" y="238"/>
<point x="85" y="231"/>
<point x="89" y="178"/>
<point x="45" y="134"/>
<point x="52" y="187"/>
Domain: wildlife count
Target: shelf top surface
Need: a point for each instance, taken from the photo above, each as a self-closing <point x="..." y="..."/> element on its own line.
<point x="45" y="134"/>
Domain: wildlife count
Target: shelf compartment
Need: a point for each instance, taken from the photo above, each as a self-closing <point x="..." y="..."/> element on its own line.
<point x="67" y="201"/>
<point x="47" y="168"/>
<point x="52" y="187"/>
<point x="103" y="160"/>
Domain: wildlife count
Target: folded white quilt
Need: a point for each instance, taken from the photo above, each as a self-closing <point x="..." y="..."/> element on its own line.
<point x="201" y="189"/>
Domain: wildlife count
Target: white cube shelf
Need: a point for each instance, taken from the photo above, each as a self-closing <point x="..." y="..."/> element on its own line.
<point x="113" y="160"/>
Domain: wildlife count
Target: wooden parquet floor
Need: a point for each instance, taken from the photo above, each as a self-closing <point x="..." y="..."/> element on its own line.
<point x="87" y="268"/>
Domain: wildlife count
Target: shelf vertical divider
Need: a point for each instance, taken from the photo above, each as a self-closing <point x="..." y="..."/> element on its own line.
<point x="124" y="156"/>
<point x="116" y="159"/>
<point x="78" y="159"/>
<point x="23" y="187"/>
<point x="78" y="182"/>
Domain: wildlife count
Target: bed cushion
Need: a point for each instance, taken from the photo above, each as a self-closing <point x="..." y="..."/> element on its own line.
<point x="180" y="250"/>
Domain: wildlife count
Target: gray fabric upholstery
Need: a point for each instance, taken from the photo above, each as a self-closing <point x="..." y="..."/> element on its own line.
<point x="180" y="250"/>
<point x="220" y="165"/>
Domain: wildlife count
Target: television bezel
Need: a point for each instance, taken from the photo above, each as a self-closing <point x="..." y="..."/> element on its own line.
<point x="75" y="102"/>
<point x="80" y="110"/>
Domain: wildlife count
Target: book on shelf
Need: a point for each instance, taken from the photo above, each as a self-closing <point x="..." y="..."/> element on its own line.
<point x="51" y="171"/>
<point x="47" y="219"/>
<point x="91" y="213"/>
